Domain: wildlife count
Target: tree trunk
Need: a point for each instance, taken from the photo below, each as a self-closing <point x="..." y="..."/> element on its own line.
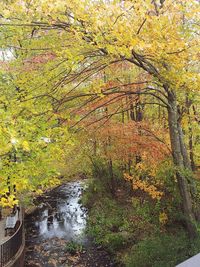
<point x="112" y="180"/>
<point x="190" y="143"/>
<point x="186" y="160"/>
<point x="178" y="152"/>
<point x="191" y="148"/>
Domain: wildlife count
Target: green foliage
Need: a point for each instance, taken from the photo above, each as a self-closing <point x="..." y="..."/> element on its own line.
<point x="171" y="202"/>
<point x="111" y="223"/>
<point x="107" y="224"/>
<point x="166" y="250"/>
<point x="132" y="231"/>
<point x="96" y="60"/>
<point x="29" y="143"/>
<point x="73" y="247"/>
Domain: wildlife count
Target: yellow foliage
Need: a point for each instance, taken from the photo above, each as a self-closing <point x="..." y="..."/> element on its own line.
<point x="39" y="191"/>
<point x="137" y="183"/>
<point x="127" y="177"/>
<point x="10" y="201"/>
<point x="25" y="146"/>
<point x="54" y="181"/>
<point x="163" y="218"/>
<point x="140" y="166"/>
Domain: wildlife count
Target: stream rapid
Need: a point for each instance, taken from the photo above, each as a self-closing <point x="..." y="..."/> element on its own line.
<point x="59" y="220"/>
<point x="64" y="217"/>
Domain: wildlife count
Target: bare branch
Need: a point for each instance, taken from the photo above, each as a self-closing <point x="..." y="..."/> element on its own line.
<point x="138" y="31"/>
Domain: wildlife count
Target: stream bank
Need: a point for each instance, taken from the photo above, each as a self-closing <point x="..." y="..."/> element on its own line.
<point x="55" y="232"/>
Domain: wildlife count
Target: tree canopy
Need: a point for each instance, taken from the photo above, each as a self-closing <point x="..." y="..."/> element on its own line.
<point x="113" y="79"/>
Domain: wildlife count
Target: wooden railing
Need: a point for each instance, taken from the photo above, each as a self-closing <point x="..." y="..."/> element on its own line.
<point x="10" y="248"/>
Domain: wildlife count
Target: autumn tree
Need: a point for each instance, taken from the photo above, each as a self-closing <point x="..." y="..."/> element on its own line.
<point x="76" y="41"/>
<point x="30" y="138"/>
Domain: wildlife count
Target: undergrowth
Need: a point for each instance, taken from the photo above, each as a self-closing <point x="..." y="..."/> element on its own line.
<point x="131" y="231"/>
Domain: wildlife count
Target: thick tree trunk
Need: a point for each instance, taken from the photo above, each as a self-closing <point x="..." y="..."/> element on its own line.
<point x="179" y="158"/>
<point x="186" y="159"/>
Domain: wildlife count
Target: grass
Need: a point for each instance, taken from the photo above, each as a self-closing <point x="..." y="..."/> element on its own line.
<point x="164" y="250"/>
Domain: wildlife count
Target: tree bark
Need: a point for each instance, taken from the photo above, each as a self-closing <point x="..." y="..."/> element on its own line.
<point x="190" y="143"/>
<point x="112" y="180"/>
<point x="186" y="160"/>
<point x="179" y="158"/>
<point x="193" y="166"/>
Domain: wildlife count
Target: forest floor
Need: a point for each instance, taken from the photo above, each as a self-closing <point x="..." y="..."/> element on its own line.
<point x="90" y="256"/>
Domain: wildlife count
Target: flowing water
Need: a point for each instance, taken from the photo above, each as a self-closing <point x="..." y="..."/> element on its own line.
<point x="64" y="217"/>
<point x="60" y="220"/>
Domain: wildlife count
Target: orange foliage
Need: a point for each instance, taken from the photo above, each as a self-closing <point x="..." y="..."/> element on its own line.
<point x="130" y="139"/>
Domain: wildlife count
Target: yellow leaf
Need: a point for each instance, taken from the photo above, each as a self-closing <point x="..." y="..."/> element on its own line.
<point x="25" y="146"/>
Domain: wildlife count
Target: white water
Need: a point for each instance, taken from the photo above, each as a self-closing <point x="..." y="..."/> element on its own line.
<point x="68" y="220"/>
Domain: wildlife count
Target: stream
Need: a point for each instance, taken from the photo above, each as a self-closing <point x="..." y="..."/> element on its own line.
<point x="59" y="221"/>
